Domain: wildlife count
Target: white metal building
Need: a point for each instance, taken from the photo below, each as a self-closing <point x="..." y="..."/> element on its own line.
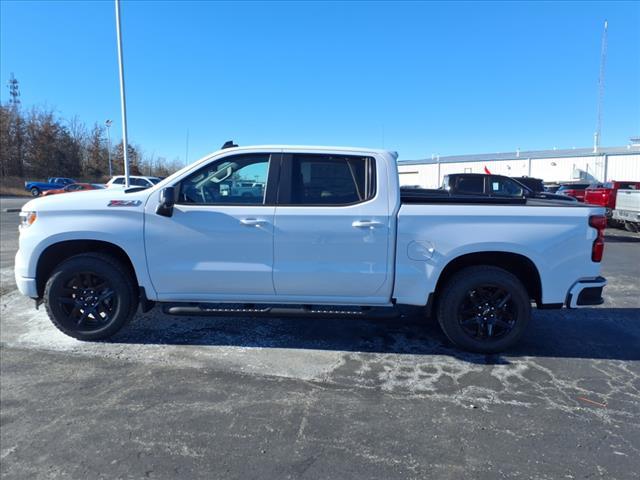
<point x="609" y="163"/>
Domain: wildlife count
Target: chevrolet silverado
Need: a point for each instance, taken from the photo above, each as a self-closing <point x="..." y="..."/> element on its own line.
<point x="328" y="233"/>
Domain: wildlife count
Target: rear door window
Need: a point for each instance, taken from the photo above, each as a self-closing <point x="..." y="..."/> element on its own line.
<point x="327" y="180"/>
<point x="470" y="185"/>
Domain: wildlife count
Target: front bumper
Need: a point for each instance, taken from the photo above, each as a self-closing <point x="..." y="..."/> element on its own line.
<point x="27" y="286"/>
<point x="25" y="283"/>
<point x="585" y="293"/>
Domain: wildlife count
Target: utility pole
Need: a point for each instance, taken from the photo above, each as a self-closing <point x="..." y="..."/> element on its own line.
<point x="123" y="101"/>
<point x="108" y="123"/>
<point x="603" y="62"/>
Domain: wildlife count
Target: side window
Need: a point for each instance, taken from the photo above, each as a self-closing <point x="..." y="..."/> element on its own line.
<point x="73" y="187"/>
<point x="331" y="179"/>
<point x="505" y="187"/>
<point x="234" y="180"/>
<point x="119" y="181"/>
<point x="474" y="184"/>
<point x="139" y="182"/>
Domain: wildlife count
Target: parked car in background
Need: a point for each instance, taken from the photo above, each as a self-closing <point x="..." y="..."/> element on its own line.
<point x="52" y="183"/>
<point x="247" y="189"/>
<point x="134" y="181"/>
<point x="493" y="186"/>
<point x="74" y="187"/>
<point x="627" y="209"/>
<point x="534" y="184"/>
<point x="575" y="190"/>
<point x="604" y="194"/>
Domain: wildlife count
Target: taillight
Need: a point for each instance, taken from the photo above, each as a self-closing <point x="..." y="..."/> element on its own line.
<point x="599" y="222"/>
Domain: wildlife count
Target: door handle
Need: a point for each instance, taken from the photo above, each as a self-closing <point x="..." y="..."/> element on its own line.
<point x="370" y="224"/>
<point x="253" y="222"/>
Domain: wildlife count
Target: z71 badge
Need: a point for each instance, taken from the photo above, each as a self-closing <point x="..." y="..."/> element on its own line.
<point x="124" y="203"/>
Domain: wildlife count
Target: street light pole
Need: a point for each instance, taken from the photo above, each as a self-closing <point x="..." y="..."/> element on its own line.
<point x="108" y="124"/>
<point x="123" y="102"/>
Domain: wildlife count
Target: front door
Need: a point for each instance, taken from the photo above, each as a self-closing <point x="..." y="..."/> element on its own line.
<point x="218" y="244"/>
<point x="332" y="229"/>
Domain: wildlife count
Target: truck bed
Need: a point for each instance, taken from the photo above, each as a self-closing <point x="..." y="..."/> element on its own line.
<point x="437" y="196"/>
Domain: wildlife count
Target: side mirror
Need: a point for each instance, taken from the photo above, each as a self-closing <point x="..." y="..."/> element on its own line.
<point x="167" y="201"/>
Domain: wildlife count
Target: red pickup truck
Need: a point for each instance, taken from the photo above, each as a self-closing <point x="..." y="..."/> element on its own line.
<point x="604" y="194"/>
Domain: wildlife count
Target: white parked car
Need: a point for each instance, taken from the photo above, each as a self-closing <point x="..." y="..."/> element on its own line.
<point x="134" y="181"/>
<point x="331" y="231"/>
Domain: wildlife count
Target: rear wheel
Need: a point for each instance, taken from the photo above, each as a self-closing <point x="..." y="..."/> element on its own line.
<point x="631" y="227"/>
<point x="484" y="309"/>
<point x="35" y="192"/>
<point x="90" y="296"/>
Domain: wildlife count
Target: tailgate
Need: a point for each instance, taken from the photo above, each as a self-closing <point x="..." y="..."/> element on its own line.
<point x="628" y="200"/>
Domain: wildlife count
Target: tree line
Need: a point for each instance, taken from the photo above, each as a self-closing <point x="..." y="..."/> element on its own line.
<point x="38" y="144"/>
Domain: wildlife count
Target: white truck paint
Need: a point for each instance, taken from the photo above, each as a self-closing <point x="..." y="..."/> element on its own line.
<point x="376" y="252"/>
<point x="134" y="181"/>
<point x="627" y="209"/>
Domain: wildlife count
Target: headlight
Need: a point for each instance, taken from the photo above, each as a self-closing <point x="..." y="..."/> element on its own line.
<point x="27" y="219"/>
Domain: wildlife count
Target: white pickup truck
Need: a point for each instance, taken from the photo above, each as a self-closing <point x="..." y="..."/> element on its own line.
<point x="627" y="210"/>
<point x="330" y="233"/>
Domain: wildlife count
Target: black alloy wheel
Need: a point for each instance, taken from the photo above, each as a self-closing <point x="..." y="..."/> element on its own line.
<point x="487" y="312"/>
<point x="90" y="296"/>
<point x="88" y="300"/>
<point x="483" y="309"/>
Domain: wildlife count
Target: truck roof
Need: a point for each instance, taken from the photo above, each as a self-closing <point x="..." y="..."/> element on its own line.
<point x="308" y="147"/>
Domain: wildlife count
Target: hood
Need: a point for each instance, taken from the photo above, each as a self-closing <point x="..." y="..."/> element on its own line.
<point x="86" y="200"/>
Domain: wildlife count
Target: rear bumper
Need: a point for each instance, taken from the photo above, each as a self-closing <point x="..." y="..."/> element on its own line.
<point x="627" y="215"/>
<point x="587" y="292"/>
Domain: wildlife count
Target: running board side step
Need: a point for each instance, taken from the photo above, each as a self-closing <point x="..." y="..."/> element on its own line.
<point x="253" y="310"/>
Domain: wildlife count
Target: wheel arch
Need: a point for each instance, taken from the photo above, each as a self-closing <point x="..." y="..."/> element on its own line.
<point x="517" y="264"/>
<point x="56" y="253"/>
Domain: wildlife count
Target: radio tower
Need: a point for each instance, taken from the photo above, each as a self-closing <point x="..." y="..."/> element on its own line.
<point x="603" y="63"/>
<point x="14" y="92"/>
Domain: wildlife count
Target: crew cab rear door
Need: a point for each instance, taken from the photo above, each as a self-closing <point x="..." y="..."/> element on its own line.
<point x="332" y="229"/>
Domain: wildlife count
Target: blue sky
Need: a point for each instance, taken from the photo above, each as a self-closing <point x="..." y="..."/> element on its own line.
<point x="420" y="78"/>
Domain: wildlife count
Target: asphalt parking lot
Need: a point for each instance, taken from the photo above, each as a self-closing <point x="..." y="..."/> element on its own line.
<point x="173" y="397"/>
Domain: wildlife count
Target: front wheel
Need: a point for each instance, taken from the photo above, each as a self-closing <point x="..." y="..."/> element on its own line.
<point x="90" y="296"/>
<point x="484" y="309"/>
<point x="35" y="192"/>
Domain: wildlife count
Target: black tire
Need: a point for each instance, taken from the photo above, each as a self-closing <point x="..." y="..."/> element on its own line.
<point x="631" y="227"/>
<point x="484" y="309"/>
<point x="90" y="296"/>
<point x="35" y="192"/>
